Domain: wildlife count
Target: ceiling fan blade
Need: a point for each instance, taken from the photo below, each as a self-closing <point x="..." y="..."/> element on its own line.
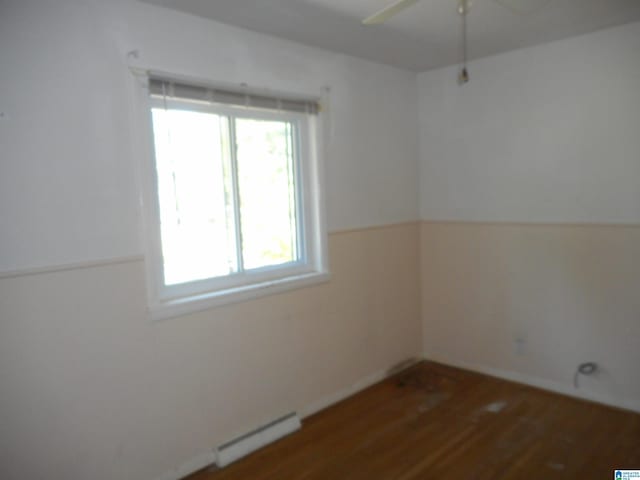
<point x="388" y="12"/>
<point x="523" y="6"/>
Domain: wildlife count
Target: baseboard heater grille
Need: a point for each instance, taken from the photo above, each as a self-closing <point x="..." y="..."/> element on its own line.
<point x="250" y="442"/>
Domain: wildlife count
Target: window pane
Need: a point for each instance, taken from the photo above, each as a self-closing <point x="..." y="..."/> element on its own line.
<point x="195" y="196"/>
<point x="267" y="192"/>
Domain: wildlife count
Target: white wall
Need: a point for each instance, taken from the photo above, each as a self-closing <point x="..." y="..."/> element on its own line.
<point x="541" y="139"/>
<point x="66" y="183"/>
<point x="544" y="134"/>
<point x="91" y="388"/>
<point x="67" y="186"/>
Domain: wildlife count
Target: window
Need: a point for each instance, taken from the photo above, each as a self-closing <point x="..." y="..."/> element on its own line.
<point x="236" y="208"/>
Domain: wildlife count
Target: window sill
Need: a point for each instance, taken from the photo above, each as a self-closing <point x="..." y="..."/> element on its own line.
<point x="185" y="305"/>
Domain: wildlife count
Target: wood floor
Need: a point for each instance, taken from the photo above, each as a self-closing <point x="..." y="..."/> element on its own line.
<point x="436" y="422"/>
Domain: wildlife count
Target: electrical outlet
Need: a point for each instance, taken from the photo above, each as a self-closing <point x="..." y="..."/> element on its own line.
<point x="518" y="345"/>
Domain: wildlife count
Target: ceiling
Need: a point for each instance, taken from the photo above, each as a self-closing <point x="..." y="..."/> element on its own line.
<point x="422" y="37"/>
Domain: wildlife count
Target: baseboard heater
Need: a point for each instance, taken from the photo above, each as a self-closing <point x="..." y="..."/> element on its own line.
<point x="250" y="442"/>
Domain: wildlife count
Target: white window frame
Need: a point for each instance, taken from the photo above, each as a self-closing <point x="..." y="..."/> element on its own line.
<point x="312" y="268"/>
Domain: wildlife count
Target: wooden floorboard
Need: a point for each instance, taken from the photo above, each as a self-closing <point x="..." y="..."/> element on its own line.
<point x="435" y="422"/>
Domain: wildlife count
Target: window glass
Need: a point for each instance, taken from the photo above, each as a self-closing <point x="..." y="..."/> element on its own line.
<point x="266" y="180"/>
<point x="194" y="191"/>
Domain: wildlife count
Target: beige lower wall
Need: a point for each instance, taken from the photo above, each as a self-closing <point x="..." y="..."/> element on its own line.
<point x="572" y="293"/>
<point x="91" y="388"/>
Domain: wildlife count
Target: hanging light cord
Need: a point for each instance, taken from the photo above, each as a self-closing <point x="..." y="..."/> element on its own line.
<point x="464" y="35"/>
<point x="463" y="9"/>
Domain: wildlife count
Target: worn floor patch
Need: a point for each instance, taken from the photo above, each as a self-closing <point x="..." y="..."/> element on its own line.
<point x="433" y="400"/>
<point x="558" y="467"/>
<point x="495" y="407"/>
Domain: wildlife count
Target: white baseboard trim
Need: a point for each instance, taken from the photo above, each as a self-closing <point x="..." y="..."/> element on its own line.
<point x="205" y="459"/>
<point x="196" y="463"/>
<point x="343" y="394"/>
<point x="358" y="386"/>
<point x="544" y="384"/>
<point x="260" y="437"/>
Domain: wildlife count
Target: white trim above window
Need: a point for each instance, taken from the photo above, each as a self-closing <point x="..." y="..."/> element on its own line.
<point x="232" y="195"/>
